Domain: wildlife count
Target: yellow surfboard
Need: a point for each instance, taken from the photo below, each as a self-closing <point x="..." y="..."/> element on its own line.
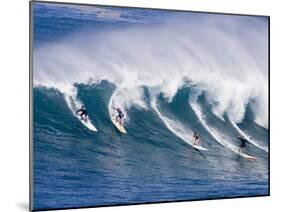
<point x="117" y="125"/>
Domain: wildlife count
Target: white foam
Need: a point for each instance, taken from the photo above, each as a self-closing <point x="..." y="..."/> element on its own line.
<point x="225" y="58"/>
<point x="248" y="137"/>
<point x="178" y="129"/>
<point x="197" y="110"/>
<point x="74" y="104"/>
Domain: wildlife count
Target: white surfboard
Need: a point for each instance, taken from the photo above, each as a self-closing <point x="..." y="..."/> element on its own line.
<point x="250" y="157"/>
<point x="120" y="127"/>
<point x="86" y="122"/>
<point x="199" y="147"/>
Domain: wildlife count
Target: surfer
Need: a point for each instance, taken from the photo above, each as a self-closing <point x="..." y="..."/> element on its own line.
<point x="243" y="143"/>
<point x="195" y="139"/>
<point x="119" y="116"/>
<point x="83" y="112"/>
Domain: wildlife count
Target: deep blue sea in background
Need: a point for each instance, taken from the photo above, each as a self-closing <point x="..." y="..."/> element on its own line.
<point x="75" y="167"/>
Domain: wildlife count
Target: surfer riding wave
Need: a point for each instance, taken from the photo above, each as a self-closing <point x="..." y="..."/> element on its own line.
<point x="82" y="112"/>
<point x="120" y="116"/>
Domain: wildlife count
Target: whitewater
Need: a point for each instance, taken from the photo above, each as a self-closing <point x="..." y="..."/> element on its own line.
<point x="164" y="58"/>
<point x="171" y="76"/>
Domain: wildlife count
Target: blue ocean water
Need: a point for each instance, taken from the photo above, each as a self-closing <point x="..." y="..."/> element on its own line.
<point x="75" y="167"/>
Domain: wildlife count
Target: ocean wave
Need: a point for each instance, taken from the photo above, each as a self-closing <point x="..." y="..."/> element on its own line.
<point x="181" y="117"/>
<point x="208" y="56"/>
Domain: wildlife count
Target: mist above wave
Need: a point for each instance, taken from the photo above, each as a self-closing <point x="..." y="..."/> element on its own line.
<point x="226" y="58"/>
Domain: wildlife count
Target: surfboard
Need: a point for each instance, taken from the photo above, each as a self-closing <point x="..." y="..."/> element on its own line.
<point x="117" y="125"/>
<point x="250" y="157"/>
<point x="87" y="123"/>
<point x="199" y="147"/>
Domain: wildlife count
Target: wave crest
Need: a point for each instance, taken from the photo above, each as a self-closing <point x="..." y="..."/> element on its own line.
<point x="228" y="63"/>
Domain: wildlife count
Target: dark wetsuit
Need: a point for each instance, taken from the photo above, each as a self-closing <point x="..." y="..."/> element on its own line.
<point x="196" y="139"/>
<point x="83" y="112"/>
<point x="120" y="114"/>
<point x="243" y="142"/>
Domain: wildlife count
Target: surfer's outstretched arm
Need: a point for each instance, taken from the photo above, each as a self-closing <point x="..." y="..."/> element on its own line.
<point x="78" y="111"/>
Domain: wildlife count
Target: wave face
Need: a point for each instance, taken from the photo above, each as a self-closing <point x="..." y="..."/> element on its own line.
<point x="172" y="74"/>
<point x="150" y="163"/>
<point x="230" y="67"/>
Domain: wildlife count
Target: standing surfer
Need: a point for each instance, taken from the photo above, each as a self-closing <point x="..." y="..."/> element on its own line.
<point x="83" y="112"/>
<point x="119" y="116"/>
<point x="195" y="139"/>
<point x="243" y="143"/>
